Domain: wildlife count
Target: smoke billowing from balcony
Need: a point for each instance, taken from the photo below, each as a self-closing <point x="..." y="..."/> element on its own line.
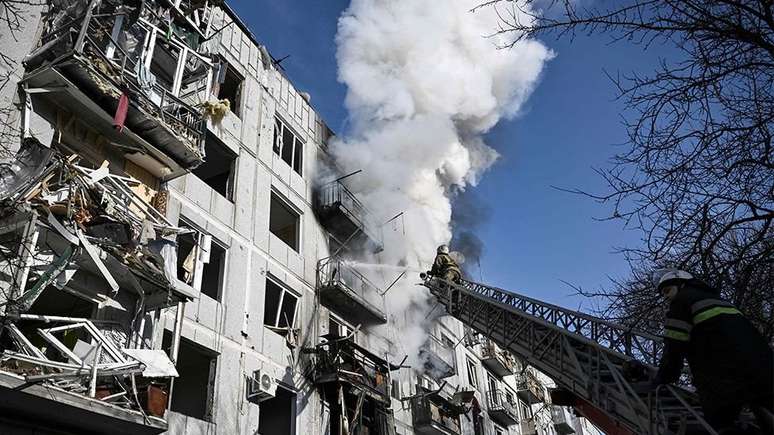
<point x="424" y="84"/>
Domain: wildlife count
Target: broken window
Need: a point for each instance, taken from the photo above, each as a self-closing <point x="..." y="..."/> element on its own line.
<point x="284" y="221"/>
<point x="194" y="388"/>
<point x="472" y="376"/>
<point x="279" y="310"/>
<point x="229" y="86"/>
<point x="201" y="261"/>
<point x="288" y="146"/>
<point x="509" y="397"/>
<point x="277" y="416"/>
<point x="218" y="167"/>
<point x="339" y="327"/>
<point x="164" y="63"/>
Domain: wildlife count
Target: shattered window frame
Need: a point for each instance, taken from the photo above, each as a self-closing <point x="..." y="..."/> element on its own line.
<point x="343" y="327"/>
<point x="295" y="157"/>
<point x="472" y="372"/>
<point x="284" y="291"/>
<point x="235" y="93"/>
<point x="199" y="264"/>
<point x="214" y="145"/>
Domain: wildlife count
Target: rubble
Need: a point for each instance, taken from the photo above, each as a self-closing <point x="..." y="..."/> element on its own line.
<point x="73" y="229"/>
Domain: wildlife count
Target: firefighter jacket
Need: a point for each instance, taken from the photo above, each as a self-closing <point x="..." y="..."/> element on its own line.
<point x="442" y="264"/>
<point x="730" y="361"/>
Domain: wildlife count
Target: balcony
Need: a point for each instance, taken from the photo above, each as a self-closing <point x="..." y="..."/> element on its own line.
<point x="529" y="389"/>
<point x="350" y="294"/>
<point x="561" y="420"/>
<point x="438" y="358"/>
<point x="341" y="360"/>
<point x="500" y="410"/>
<point x="76" y="277"/>
<point x="528" y="427"/>
<point x="87" y="61"/>
<point x="346" y="217"/>
<point x="432" y="414"/>
<point x="498" y="361"/>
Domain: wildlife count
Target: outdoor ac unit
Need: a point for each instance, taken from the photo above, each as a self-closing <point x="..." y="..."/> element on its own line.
<point x="261" y="386"/>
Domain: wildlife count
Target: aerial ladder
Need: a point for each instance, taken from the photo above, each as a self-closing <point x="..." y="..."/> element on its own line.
<point x="601" y="369"/>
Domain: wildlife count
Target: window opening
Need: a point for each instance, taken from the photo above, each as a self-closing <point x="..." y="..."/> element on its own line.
<point x="217" y="171"/>
<point x="283" y="222"/>
<point x="212" y="272"/>
<point x="472" y="378"/>
<point x="194" y="388"/>
<point x="277" y="416"/>
<point x="229" y="86"/>
<point x="279" y="306"/>
<point x="288" y="146"/>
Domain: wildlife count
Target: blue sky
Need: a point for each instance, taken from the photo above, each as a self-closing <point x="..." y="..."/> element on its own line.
<point x="536" y="236"/>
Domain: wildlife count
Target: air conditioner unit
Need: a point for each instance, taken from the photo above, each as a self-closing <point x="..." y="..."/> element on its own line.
<point x="261" y="386"/>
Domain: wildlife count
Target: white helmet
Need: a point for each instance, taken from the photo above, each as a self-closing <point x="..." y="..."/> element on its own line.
<point x="670" y="276"/>
<point x="443" y="249"/>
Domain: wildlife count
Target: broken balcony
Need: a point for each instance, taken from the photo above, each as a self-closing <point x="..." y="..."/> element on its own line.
<point x="529" y="389"/>
<point x="133" y="79"/>
<point x="339" y="360"/>
<point x="528" y="427"/>
<point x="85" y="270"/>
<point x="438" y="358"/>
<point x="500" y="409"/>
<point x="344" y="216"/>
<point x="349" y="293"/>
<point x="561" y="420"/>
<point x="498" y="361"/>
<point x="434" y="414"/>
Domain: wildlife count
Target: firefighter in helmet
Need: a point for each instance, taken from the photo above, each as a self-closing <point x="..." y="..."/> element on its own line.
<point x="731" y="363"/>
<point x="444" y="266"/>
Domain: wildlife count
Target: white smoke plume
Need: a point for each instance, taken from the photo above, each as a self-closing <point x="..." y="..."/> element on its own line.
<point x="424" y="83"/>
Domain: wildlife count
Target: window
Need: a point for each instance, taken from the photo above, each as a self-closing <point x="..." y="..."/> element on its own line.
<point x="229" y="86"/>
<point x="288" y="146"/>
<point x="526" y="410"/>
<point x="493" y="388"/>
<point x="509" y="397"/>
<point x="447" y="341"/>
<point x="284" y="222"/>
<point x="472" y="377"/>
<point x="217" y="171"/>
<point x="338" y="326"/>
<point x="194" y="388"/>
<point x="201" y="261"/>
<point x="277" y="416"/>
<point x="498" y="430"/>
<point x="279" y="310"/>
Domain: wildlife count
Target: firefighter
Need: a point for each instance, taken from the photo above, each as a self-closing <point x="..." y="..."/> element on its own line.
<point x="444" y="266"/>
<point x="731" y="363"/>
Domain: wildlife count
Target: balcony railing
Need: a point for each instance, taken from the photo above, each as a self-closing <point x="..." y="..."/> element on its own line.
<point x="528" y="427"/>
<point x="349" y="292"/>
<point x="500" y="409"/>
<point x="438" y="358"/>
<point x="529" y="388"/>
<point x="561" y="421"/>
<point x="499" y="362"/>
<point x="342" y="360"/>
<point x="346" y="216"/>
<point x="431" y="417"/>
<point x="112" y="56"/>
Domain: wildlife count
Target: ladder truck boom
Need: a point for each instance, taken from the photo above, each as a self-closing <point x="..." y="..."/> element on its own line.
<point x="588" y="358"/>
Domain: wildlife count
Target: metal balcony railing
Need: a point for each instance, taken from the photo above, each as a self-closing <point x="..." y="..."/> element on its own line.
<point x="336" y="194"/>
<point x="500" y="408"/>
<point x="112" y="43"/>
<point x="340" y="285"/>
<point x="438" y="357"/>
<point x="529" y="388"/>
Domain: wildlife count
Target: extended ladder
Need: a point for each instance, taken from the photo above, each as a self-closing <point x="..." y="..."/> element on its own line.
<point x="586" y="356"/>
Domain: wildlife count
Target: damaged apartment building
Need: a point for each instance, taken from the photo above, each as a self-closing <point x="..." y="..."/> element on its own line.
<point x="170" y="264"/>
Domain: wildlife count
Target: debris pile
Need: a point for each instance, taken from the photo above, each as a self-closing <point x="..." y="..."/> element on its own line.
<point x="84" y="260"/>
